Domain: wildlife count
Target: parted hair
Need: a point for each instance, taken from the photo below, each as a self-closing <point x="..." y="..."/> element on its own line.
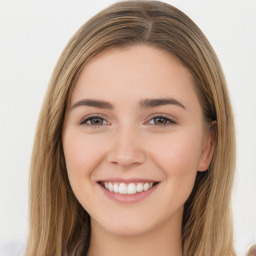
<point x="58" y="223"/>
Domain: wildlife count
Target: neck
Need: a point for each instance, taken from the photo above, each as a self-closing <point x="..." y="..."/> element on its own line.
<point x="164" y="240"/>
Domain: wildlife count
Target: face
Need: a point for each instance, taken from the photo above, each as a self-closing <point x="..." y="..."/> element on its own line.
<point x="134" y="138"/>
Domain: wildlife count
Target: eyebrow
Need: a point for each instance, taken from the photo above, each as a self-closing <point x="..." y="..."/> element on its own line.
<point x="148" y="103"/>
<point x="144" y="104"/>
<point x="93" y="103"/>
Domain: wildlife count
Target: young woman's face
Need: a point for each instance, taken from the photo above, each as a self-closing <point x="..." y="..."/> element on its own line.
<point x="134" y="125"/>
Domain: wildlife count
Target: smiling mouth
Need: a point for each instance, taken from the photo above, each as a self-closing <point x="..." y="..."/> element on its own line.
<point x="128" y="188"/>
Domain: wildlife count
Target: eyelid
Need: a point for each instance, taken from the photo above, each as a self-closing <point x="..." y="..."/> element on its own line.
<point x="171" y="120"/>
<point x="86" y="118"/>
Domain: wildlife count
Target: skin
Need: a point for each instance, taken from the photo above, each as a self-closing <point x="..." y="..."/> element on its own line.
<point x="130" y="142"/>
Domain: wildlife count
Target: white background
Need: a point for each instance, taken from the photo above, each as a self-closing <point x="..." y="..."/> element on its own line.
<point x="32" y="35"/>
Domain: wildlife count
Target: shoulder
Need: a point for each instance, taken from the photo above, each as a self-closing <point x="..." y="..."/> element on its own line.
<point x="13" y="248"/>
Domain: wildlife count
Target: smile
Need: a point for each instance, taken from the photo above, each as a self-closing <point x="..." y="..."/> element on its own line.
<point x="127" y="192"/>
<point x="129" y="188"/>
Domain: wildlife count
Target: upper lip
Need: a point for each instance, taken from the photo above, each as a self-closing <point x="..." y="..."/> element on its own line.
<point x="130" y="180"/>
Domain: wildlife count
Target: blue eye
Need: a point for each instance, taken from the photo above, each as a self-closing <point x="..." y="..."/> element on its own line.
<point x="161" y="120"/>
<point x="94" y="121"/>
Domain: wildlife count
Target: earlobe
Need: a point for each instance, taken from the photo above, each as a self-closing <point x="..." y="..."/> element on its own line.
<point x="208" y="148"/>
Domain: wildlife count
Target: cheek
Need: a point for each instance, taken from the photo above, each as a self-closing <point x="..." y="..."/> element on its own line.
<point x="82" y="156"/>
<point x="183" y="156"/>
<point x="79" y="152"/>
<point x="178" y="157"/>
<point x="178" y="154"/>
<point x="180" y="169"/>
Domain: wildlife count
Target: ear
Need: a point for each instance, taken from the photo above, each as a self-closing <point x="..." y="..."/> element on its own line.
<point x="208" y="148"/>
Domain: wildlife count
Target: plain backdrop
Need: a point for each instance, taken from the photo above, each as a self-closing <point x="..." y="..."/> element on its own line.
<point x="33" y="34"/>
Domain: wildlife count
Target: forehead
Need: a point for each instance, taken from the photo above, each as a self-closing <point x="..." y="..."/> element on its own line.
<point x="134" y="72"/>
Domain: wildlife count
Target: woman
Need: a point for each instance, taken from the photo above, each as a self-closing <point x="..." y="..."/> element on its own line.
<point x="134" y="151"/>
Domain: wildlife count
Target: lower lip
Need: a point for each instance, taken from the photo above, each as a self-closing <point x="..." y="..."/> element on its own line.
<point x="128" y="198"/>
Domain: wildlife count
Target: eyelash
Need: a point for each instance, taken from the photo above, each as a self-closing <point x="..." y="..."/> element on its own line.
<point x="84" y="121"/>
<point x="90" y="118"/>
<point x="168" y="120"/>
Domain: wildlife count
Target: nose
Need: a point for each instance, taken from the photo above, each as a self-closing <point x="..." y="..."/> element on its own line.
<point x="126" y="148"/>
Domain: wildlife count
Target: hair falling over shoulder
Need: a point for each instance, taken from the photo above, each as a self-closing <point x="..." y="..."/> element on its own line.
<point x="58" y="223"/>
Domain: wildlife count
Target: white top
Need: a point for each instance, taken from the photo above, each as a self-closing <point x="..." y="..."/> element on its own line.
<point x="13" y="248"/>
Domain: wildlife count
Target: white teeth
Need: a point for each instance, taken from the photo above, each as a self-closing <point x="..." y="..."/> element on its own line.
<point x="116" y="190"/>
<point x="122" y="189"/>
<point x="140" y="187"/>
<point x="146" y="187"/>
<point x="110" y="186"/>
<point x="130" y="188"/>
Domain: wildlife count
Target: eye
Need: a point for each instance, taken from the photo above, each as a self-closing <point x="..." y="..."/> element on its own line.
<point x="161" y="120"/>
<point x="94" y="121"/>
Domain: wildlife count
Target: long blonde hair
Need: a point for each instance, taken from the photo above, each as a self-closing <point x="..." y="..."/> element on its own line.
<point x="58" y="223"/>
